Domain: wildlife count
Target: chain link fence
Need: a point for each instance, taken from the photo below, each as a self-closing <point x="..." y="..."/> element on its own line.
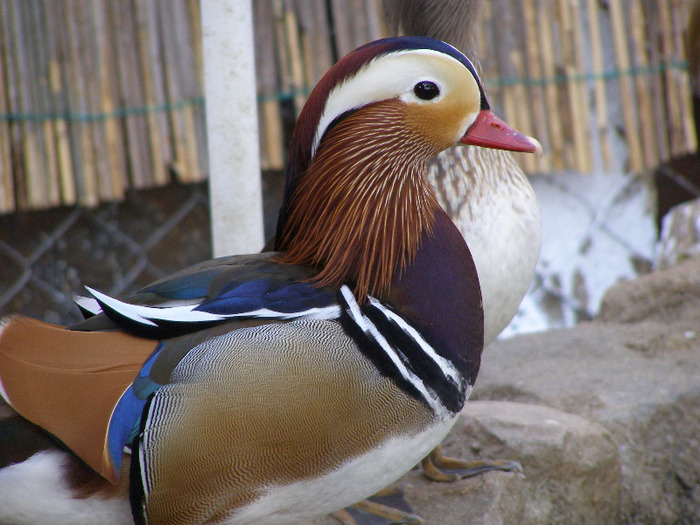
<point x="46" y="257"/>
<point x="598" y="228"/>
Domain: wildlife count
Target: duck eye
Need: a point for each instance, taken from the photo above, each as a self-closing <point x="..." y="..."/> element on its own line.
<point x="426" y="90"/>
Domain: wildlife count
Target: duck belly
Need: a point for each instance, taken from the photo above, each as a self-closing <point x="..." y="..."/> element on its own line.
<point x="355" y="480"/>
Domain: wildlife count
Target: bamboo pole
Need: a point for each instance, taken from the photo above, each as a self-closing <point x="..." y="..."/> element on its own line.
<point x="357" y="17"/>
<point x="35" y="189"/>
<point x="56" y="71"/>
<point x="131" y="95"/>
<point x="198" y="86"/>
<point x="7" y="187"/>
<point x="84" y="159"/>
<point x="645" y="108"/>
<point x="576" y="119"/>
<point x="42" y="102"/>
<point x="619" y="30"/>
<point x="536" y="90"/>
<point x="341" y="27"/>
<point x="13" y="100"/>
<point x="184" y="62"/>
<point x="657" y="80"/>
<point x="111" y="147"/>
<point x="148" y="72"/>
<point x="271" y="137"/>
<point x="309" y="56"/>
<point x="510" y="63"/>
<point x="312" y="15"/>
<point x="154" y="54"/>
<point x="196" y="40"/>
<point x="600" y="95"/>
<point x="674" y="118"/>
<point x="480" y="29"/>
<point x="582" y="100"/>
<point x="91" y="36"/>
<point x="295" y="58"/>
<point x="556" y="132"/>
<point x="488" y="63"/>
<point x="679" y="18"/>
<point x="376" y="27"/>
<point x="282" y="51"/>
<point x="173" y="94"/>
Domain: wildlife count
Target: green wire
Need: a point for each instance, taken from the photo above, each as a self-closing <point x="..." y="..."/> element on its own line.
<point x="98" y="117"/>
<point x="652" y="69"/>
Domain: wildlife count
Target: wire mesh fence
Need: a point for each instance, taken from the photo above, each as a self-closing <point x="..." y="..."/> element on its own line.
<point x="46" y="257"/>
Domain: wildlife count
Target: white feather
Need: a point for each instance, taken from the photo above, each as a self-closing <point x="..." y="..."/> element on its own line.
<point x="148" y="315"/>
<point x="34" y="492"/>
<point x="368" y="327"/>
<point x="88" y="303"/>
<point x="445" y="365"/>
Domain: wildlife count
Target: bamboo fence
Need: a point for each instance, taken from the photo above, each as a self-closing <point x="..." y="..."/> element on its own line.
<point x="99" y="97"/>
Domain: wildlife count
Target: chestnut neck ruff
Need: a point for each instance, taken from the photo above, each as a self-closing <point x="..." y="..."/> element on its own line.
<point x="358" y="212"/>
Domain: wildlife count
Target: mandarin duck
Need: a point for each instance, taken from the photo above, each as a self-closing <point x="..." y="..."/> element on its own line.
<point x="484" y="191"/>
<point x="489" y="198"/>
<point x="275" y="387"/>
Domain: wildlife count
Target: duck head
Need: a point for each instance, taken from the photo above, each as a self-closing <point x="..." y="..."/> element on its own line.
<point x="357" y="200"/>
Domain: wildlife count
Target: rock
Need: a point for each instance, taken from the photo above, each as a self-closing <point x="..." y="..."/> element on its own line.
<point x="492" y="498"/>
<point x="635" y="372"/>
<point x="571" y="470"/>
<point x="670" y="296"/>
<point x="680" y="233"/>
<point x="570" y="465"/>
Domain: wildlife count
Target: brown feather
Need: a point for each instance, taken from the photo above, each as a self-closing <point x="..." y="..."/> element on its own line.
<point x="68" y="382"/>
<point x="359" y="210"/>
<point x="85" y="482"/>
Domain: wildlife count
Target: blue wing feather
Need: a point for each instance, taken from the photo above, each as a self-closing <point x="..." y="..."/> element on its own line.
<point x="261" y="294"/>
<point x="186" y="287"/>
<point x="213" y="292"/>
<point x="126" y="417"/>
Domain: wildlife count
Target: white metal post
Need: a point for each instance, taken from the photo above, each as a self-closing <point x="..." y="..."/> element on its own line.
<point x="232" y="127"/>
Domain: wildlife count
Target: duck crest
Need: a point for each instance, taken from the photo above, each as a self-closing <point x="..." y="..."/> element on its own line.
<point x="359" y="210"/>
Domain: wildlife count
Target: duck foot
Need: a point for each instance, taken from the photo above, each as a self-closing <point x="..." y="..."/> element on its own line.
<point x="438" y="467"/>
<point x="386" y="507"/>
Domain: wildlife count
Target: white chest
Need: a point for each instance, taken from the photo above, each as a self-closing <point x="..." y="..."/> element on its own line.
<point x="492" y="203"/>
<point x="354" y="481"/>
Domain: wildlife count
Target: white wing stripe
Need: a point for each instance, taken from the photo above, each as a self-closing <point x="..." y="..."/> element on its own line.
<point x="447" y="368"/>
<point x="149" y="315"/>
<point x="370" y="328"/>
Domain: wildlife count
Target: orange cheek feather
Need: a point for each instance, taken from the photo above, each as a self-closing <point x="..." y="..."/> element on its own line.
<point x="437" y="123"/>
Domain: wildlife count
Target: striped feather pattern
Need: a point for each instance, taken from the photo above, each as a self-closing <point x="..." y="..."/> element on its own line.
<point x="261" y="407"/>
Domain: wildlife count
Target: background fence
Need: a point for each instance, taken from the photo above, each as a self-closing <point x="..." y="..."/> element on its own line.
<point x="97" y="97"/>
<point x="100" y="100"/>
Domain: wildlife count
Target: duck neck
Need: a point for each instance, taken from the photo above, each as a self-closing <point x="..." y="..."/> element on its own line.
<point x="439" y="293"/>
<point x="359" y="211"/>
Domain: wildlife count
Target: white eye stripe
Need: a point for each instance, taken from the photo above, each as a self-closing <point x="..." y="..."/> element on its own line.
<point x="386" y="77"/>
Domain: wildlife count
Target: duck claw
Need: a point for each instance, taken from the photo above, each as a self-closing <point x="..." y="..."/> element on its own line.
<point x="438" y="467"/>
<point x="387" y="507"/>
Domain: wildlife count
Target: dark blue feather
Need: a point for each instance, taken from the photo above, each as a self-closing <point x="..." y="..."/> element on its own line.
<point x="287" y="297"/>
<point x="190" y="286"/>
<point x="124" y="423"/>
